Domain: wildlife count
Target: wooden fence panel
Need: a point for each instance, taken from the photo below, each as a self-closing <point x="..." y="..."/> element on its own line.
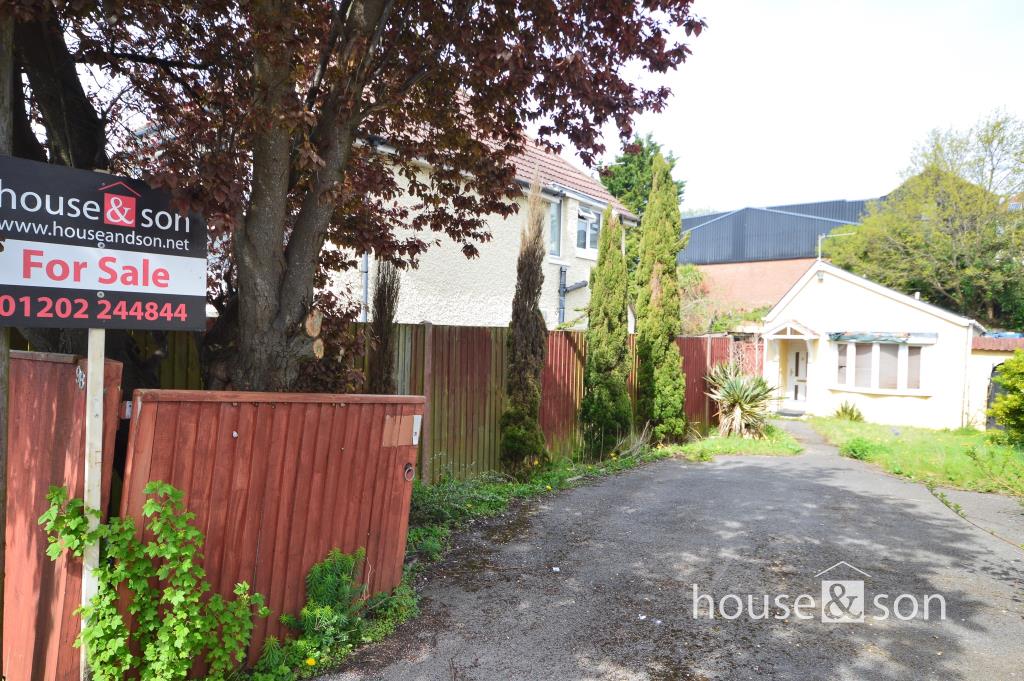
<point x="277" y="480"/>
<point x="467" y="399"/>
<point x="47" y="447"/>
<point x="562" y="391"/>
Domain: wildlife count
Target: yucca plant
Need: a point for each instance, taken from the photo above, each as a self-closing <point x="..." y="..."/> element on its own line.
<point x="742" y="400"/>
<point x="849" y="411"/>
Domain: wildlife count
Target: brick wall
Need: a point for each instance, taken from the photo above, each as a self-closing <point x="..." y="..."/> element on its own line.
<point x="749" y="285"/>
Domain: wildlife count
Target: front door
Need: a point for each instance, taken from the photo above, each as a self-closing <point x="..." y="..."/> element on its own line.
<point x="796" y="390"/>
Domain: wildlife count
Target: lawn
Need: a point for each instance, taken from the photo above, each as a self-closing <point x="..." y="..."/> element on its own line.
<point x="964" y="458"/>
<point x="777" y="443"/>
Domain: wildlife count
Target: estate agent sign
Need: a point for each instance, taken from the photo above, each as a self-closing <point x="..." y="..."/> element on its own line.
<point x="85" y="249"/>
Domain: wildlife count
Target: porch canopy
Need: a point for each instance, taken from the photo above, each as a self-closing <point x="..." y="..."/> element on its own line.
<point x="791" y="330"/>
<point x="901" y="337"/>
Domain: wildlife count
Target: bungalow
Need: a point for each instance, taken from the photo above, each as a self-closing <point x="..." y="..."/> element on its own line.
<point x="835" y="337"/>
<point x="448" y="288"/>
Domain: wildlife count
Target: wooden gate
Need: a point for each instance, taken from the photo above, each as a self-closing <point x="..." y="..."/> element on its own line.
<point x="278" y="480"/>
<point x="47" y="447"/>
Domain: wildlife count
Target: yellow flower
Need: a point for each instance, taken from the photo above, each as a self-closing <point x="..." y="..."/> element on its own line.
<point x="549" y="488"/>
<point x="310" y="661"/>
<point x="535" y="462"/>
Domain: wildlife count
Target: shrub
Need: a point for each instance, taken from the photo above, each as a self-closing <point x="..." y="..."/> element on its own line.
<point x="521" y="436"/>
<point x="863" y="449"/>
<point x="661" y="386"/>
<point x="605" y="412"/>
<point x="382" y="331"/>
<point x="849" y="412"/>
<point x="743" y="400"/>
<point x="336" y="619"/>
<point x="1008" y="407"/>
<point x="165" y="589"/>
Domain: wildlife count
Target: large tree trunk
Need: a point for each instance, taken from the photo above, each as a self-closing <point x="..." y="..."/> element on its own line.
<point x="276" y="289"/>
<point x="75" y="131"/>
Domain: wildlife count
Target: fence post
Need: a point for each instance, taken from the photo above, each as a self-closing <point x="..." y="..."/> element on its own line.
<point x="426" y="450"/>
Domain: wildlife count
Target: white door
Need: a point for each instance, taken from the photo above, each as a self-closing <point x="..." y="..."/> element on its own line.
<point x="796" y="390"/>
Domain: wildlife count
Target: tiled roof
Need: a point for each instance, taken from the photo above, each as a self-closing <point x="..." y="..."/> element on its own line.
<point x="994" y="344"/>
<point x="549" y="168"/>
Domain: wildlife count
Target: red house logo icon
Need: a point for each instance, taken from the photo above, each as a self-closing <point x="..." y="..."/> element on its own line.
<point x="119" y="209"/>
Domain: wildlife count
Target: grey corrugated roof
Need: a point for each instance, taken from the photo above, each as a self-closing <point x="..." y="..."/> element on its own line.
<point x="773" y="233"/>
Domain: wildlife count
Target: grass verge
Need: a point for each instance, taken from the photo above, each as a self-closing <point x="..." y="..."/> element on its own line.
<point x="964" y="458"/>
<point x="776" y="442"/>
<point x="438" y="509"/>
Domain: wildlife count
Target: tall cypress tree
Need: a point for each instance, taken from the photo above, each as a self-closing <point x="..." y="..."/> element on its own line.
<point x="521" y="436"/>
<point x="605" y="412"/>
<point x="661" y="386"/>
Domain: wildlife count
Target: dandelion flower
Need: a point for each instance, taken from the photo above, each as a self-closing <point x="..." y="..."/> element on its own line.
<point x="310" y="661"/>
<point x="549" y="488"/>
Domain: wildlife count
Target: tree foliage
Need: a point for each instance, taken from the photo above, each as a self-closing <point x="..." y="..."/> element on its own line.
<point x="294" y="128"/>
<point x="522" y="439"/>
<point x="605" y="411"/>
<point x="945" y="236"/>
<point x="660" y="384"/>
<point x="629" y="179"/>
<point x="1008" y="408"/>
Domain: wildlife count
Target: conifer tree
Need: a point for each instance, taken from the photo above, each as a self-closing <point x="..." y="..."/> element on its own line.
<point x="522" y="439"/>
<point x="661" y="385"/>
<point x="605" y="412"/>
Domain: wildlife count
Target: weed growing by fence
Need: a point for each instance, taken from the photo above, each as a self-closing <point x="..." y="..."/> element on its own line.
<point x="336" y="619"/>
<point x="175" y="622"/>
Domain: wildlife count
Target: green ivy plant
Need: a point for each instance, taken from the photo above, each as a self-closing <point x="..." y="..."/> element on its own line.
<point x="172" y="620"/>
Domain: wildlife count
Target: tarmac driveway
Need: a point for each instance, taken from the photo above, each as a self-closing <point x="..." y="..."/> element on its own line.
<point x="630" y="548"/>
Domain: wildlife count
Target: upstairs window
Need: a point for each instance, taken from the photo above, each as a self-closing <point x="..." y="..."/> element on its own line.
<point x="588" y="229"/>
<point x="555" y="229"/>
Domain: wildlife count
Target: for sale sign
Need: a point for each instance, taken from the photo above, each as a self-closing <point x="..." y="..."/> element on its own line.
<point x="84" y="249"/>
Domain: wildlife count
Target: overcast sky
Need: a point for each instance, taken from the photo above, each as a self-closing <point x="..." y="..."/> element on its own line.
<point x="786" y="101"/>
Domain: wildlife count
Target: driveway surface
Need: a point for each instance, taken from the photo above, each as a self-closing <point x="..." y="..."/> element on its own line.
<point x="630" y="548"/>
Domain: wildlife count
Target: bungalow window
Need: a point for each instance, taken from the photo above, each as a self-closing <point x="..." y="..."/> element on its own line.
<point x="914" y="367"/>
<point x="883" y="366"/>
<point x="555" y="227"/>
<point x="843" y="361"/>
<point x="888" y="366"/>
<point x="588" y="227"/>
<point x="862" y="365"/>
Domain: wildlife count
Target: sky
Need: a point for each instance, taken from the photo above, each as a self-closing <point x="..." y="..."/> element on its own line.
<point x="787" y="101"/>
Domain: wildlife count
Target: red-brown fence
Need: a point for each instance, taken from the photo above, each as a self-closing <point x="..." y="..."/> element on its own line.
<point x="699" y="354"/>
<point x="562" y="391"/>
<point x="47" y="447"/>
<point x="277" y="480"/>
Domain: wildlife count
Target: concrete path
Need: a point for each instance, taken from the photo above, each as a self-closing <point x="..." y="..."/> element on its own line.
<point x="630" y="548"/>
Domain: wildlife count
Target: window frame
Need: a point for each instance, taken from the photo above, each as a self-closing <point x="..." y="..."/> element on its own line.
<point x="592" y="217"/>
<point x="555" y="229"/>
<point x="846" y="358"/>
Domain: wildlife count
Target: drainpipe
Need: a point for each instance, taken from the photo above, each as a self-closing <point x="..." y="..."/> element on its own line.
<point x="563" y="289"/>
<point x="364" y="268"/>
